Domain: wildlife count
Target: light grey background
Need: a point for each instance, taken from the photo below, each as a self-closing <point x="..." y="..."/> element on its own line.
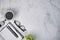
<point x="40" y="17"/>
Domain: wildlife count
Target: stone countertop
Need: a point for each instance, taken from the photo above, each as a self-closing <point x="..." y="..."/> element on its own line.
<point x="40" y="17"/>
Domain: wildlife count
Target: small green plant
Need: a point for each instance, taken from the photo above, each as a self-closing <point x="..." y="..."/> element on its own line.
<point x="29" y="37"/>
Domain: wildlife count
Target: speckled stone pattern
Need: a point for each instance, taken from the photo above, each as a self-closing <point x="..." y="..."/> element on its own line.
<point x="40" y="17"/>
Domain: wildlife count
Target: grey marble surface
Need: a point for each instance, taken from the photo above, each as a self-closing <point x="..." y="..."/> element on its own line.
<point x="40" y="17"/>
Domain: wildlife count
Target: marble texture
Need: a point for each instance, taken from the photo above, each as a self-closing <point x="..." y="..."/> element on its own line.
<point x="40" y="17"/>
